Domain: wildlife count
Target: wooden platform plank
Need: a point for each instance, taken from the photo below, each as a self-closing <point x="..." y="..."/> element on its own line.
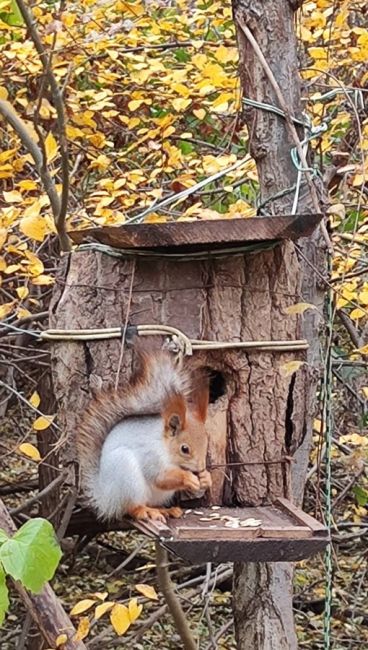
<point x="253" y="550"/>
<point x="194" y="235"/>
<point x="208" y="534"/>
<point x="301" y="516"/>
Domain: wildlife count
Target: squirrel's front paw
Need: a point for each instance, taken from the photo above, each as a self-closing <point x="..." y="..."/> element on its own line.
<point x="191" y="482"/>
<point x="205" y="480"/>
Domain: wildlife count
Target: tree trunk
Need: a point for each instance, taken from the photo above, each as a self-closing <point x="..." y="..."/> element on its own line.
<point x="262" y="594"/>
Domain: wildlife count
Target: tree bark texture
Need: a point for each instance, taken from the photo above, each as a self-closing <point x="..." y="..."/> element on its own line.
<point x="236" y="298"/>
<point x="262" y="595"/>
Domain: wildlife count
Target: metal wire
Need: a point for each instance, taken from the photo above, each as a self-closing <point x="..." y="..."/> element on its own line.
<point x="328" y="421"/>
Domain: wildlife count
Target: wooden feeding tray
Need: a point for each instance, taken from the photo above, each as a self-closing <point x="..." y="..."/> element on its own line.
<point x="186" y="236"/>
<point x="278" y="533"/>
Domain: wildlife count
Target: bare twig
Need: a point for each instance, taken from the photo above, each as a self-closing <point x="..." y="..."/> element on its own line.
<point x="59" y="105"/>
<point x="7" y="111"/>
<point x="128" y="559"/>
<point x="39" y="496"/>
<point x="173" y="604"/>
<point x="219" y="634"/>
<point x="347" y="487"/>
<point x="350" y="328"/>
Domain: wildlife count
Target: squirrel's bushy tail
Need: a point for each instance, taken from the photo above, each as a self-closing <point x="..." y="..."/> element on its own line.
<point x="157" y="379"/>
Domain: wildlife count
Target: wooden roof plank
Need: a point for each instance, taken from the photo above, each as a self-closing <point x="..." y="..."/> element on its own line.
<point x="194" y="234"/>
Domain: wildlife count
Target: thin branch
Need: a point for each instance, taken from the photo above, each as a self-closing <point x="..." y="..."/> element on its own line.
<point x="289" y="122"/>
<point x="59" y="105"/>
<point x="173" y="604"/>
<point x="350" y="328"/>
<point x="7" y="111"/>
<point x="39" y="496"/>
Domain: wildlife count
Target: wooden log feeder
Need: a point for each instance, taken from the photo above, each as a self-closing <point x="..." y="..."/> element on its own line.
<point x="228" y="281"/>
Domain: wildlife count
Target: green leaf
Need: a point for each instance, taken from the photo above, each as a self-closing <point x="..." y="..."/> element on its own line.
<point x="12" y="16"/>
<point x="185" y="147"/>
<point x="4" y="600"/>
<point x="32" y="554"/>
<point x="3" y="536"/>
<point x="182" y="56"/>
<point x="361" y="495"/>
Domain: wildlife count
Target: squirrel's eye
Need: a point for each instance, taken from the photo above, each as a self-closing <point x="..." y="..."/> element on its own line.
<point x="185" y="449"/>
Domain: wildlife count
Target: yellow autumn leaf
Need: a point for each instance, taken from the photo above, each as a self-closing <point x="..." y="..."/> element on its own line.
<point x="51" y="147"/>
<point x="3" y="236"/>
<point x="33" y="227"/>
<point x="365" y="391"/>
<point x="225" y="54"/>
<point x="354" y="439"/>
<point x="102" y="609"/>
<point x="337" y="209"/>
<point x="83" y="629"/>
<point x="363" y="297"/>
<point x="33" y="209"/>
<point x="134" y="104"/>
<point x="317" y="426"/>
<point x="43" y="422"/>
<point x="181" y="104"/>
<point x="35" y="400"/>
<point x="299" y="308"/>
<point x="359" y="179"/>
<point x="23" y="313"/>
<point x="200" y="113"/>
<point x="147" y="590"/>
<point x="28" y="185"/>
<point x="101" y="595"/>
<point x="341" y="302"/>
<point x="29" y="450"/>
<point x="134" y="610"/>
<point x="119" y="618"/>
<point x="9" y="270"/>
<point x="35" y="265"/>
<point x="363" y="350"/>
<point x="22" y="292"/>
<point x="60" y="640"/>
<point x="290" y="367"/>
<point x="6" y="309"/>
<point x="3" y="93"/>
<point x="82" y="606"/>
<point x="318" y="53"/>
<point x="12" y="197"/>
<point x="357" y="313"/>
<point x="43" y="280"/>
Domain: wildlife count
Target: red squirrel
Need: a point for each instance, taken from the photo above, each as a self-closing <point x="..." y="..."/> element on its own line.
<point x="139" y="445"/>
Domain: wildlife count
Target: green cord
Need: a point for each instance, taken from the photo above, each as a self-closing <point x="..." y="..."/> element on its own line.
<point x="328" y="421"/>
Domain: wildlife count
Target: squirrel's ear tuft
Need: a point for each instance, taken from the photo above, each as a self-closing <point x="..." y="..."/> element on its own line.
<point x="174" y="415"/>
<point x="174" y="424"/>
<point x="201" y="398"/>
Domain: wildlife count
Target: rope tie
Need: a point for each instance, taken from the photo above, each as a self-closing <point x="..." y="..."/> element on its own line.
<point x="178" y="342"/>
